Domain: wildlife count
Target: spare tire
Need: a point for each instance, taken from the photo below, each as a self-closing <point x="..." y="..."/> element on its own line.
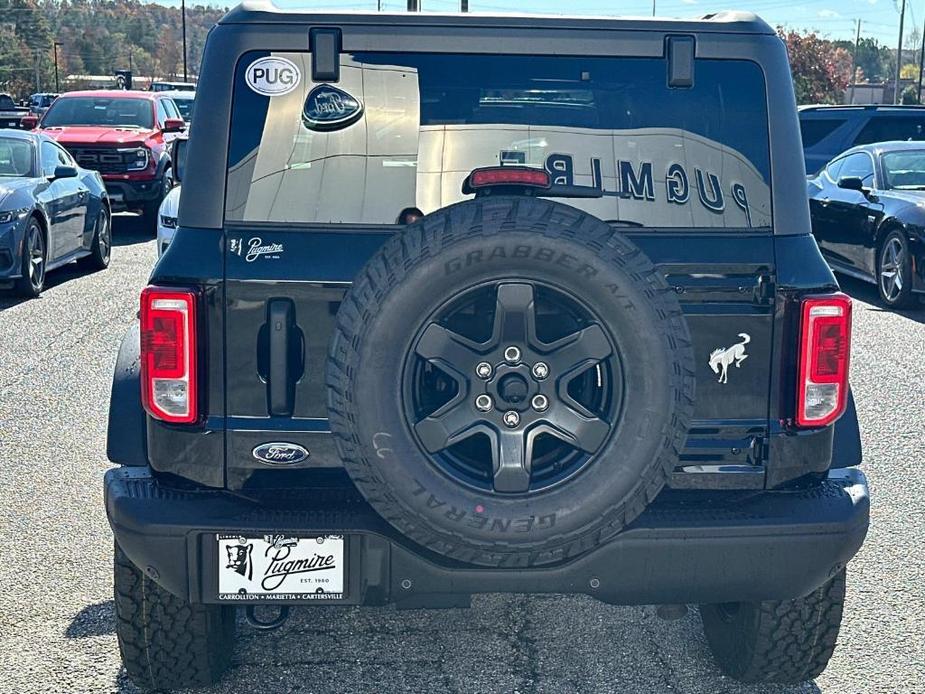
<point x="510" y="381"/>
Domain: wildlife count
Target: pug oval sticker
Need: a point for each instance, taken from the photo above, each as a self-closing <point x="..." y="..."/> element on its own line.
<point x="272" y="76"/>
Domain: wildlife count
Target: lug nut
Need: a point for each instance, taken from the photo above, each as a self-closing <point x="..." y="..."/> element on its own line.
<point x="540" y="370"/>
<point x="483" y="370"/>
<point x="511" y="418"/>
<point x="540" y="403"/>
<point x="483" y="403"/>
<point x="512" y="354"/>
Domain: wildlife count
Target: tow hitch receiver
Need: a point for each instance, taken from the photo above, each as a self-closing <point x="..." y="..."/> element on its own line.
<point x="250" y="614"/>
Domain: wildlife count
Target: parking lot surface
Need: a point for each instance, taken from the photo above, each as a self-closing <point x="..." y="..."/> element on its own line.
<point x="56" y="610"/>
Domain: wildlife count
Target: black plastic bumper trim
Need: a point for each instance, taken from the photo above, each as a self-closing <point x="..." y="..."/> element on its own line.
<point x="761" y="546"/>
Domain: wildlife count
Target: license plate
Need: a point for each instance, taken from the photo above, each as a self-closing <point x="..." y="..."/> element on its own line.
<point x="280" y="567"/>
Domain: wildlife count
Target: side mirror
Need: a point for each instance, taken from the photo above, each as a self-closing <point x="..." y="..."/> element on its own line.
<point x="178" y="157"/>
<point x="29" y="122"/>
<point x="65" y="172"/>
<point x="851" y="183"/>
<point x="174" y="125"/>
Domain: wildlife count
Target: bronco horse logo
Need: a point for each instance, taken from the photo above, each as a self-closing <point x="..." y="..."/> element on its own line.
<point x="721" y="359"/>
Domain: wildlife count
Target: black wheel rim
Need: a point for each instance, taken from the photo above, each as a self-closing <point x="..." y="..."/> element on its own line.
<point x="512" y="387"/>
<point x="35" y="247"/>
<point x="103" y="238"/>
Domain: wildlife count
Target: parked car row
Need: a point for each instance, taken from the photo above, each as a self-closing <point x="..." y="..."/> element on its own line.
<point x="89" y="154"/>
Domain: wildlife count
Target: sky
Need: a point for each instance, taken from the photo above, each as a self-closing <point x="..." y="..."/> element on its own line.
<point x="834" y="19"/>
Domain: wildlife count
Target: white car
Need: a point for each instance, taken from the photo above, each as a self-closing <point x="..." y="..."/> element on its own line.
<point x="184" y="101"/>
<point x="167" y="220"/>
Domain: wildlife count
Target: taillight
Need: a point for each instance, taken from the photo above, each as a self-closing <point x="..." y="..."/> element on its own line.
<point x="168" y="354"/>
<point x="825" y="348"/>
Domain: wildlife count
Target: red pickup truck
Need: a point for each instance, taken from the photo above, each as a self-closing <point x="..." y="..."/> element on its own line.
<point x="123" y="135"/>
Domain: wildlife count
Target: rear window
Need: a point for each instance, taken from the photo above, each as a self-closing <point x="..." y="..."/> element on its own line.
<point x="814" y="130"/>
<point x="886" y="128"/>
<point x="400" y="131"/>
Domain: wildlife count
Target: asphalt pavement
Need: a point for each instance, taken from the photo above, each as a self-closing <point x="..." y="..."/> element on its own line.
<point x="56" y="610"/>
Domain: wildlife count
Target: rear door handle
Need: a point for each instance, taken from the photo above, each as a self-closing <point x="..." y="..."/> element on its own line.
<point x="280" y="382"/>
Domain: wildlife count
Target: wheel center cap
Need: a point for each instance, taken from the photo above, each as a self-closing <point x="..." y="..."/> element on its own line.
<point x="513" y="389"/>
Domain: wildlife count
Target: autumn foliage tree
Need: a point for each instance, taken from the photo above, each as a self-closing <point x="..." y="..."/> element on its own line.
<point x="821" y="70"/>
<point x="96" y="37"/>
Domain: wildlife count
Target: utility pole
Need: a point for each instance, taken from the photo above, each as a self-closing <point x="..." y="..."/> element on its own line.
<point x="899" y="53"/>
<point x="183" y="21"/>
<point x="463" y="5"/>
<point x="653" y="8"/>
<point x="414" y="5"/>
<point x="921" y="64"/>
<point x="57" y="87"/>
<point x="38" y="82"/>
<point x="854" y="72"/>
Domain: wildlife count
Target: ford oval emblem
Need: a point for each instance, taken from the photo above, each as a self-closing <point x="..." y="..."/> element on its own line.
<point x="278" y="453"/>
<point x="330" y="108"/>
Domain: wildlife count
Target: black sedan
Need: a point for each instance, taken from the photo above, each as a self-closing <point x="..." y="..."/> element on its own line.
<point x="868" y="214"/>
<point x="51" y="212"/>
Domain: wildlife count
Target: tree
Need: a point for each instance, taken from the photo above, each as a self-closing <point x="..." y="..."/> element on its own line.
<point x="909" y="71"/>
<point x="873" y="58"/>
<point x="821" y="70"/>
<point x="96" y="37"/>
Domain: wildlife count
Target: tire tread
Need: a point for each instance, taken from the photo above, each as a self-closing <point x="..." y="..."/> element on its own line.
<point x="166" y="642"/>
<point x="783" y="642"/>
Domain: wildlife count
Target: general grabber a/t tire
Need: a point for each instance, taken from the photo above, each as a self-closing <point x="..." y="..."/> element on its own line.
<point x="781" y="641"/>
<point x="510" y="381"/>
<point x="165" y="642"/>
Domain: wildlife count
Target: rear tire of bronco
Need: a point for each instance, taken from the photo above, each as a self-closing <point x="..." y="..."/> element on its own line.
<point x="166" y="642"/>
<point x="510" y="381"/>
<point x="785" y="642"/>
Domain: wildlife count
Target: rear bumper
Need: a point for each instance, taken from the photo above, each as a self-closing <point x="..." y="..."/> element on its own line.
<point x="770" y="545"/>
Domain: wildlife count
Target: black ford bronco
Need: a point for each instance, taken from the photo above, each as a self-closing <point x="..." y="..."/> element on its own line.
<point x="472" y="304"/>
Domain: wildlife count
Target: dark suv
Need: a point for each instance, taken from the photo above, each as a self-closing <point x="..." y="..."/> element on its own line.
<point x="467" y="304"/>
<point x="830" y="130"/>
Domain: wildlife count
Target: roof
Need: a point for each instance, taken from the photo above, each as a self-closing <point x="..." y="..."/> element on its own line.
<point x="878" y="148"/>
<point x="17" y="134"/>
<point x="265" y="12"/>
<point x="25" y="135"/>
<point x="859" y="107"/>
<point x="113" y="93"/>
<point x="894" y="146"/>
<point x="179" y="93"/>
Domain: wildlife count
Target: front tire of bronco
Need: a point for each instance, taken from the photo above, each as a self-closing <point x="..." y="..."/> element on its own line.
<point x="786" y="641"/>
<point x="166" y="642"/>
